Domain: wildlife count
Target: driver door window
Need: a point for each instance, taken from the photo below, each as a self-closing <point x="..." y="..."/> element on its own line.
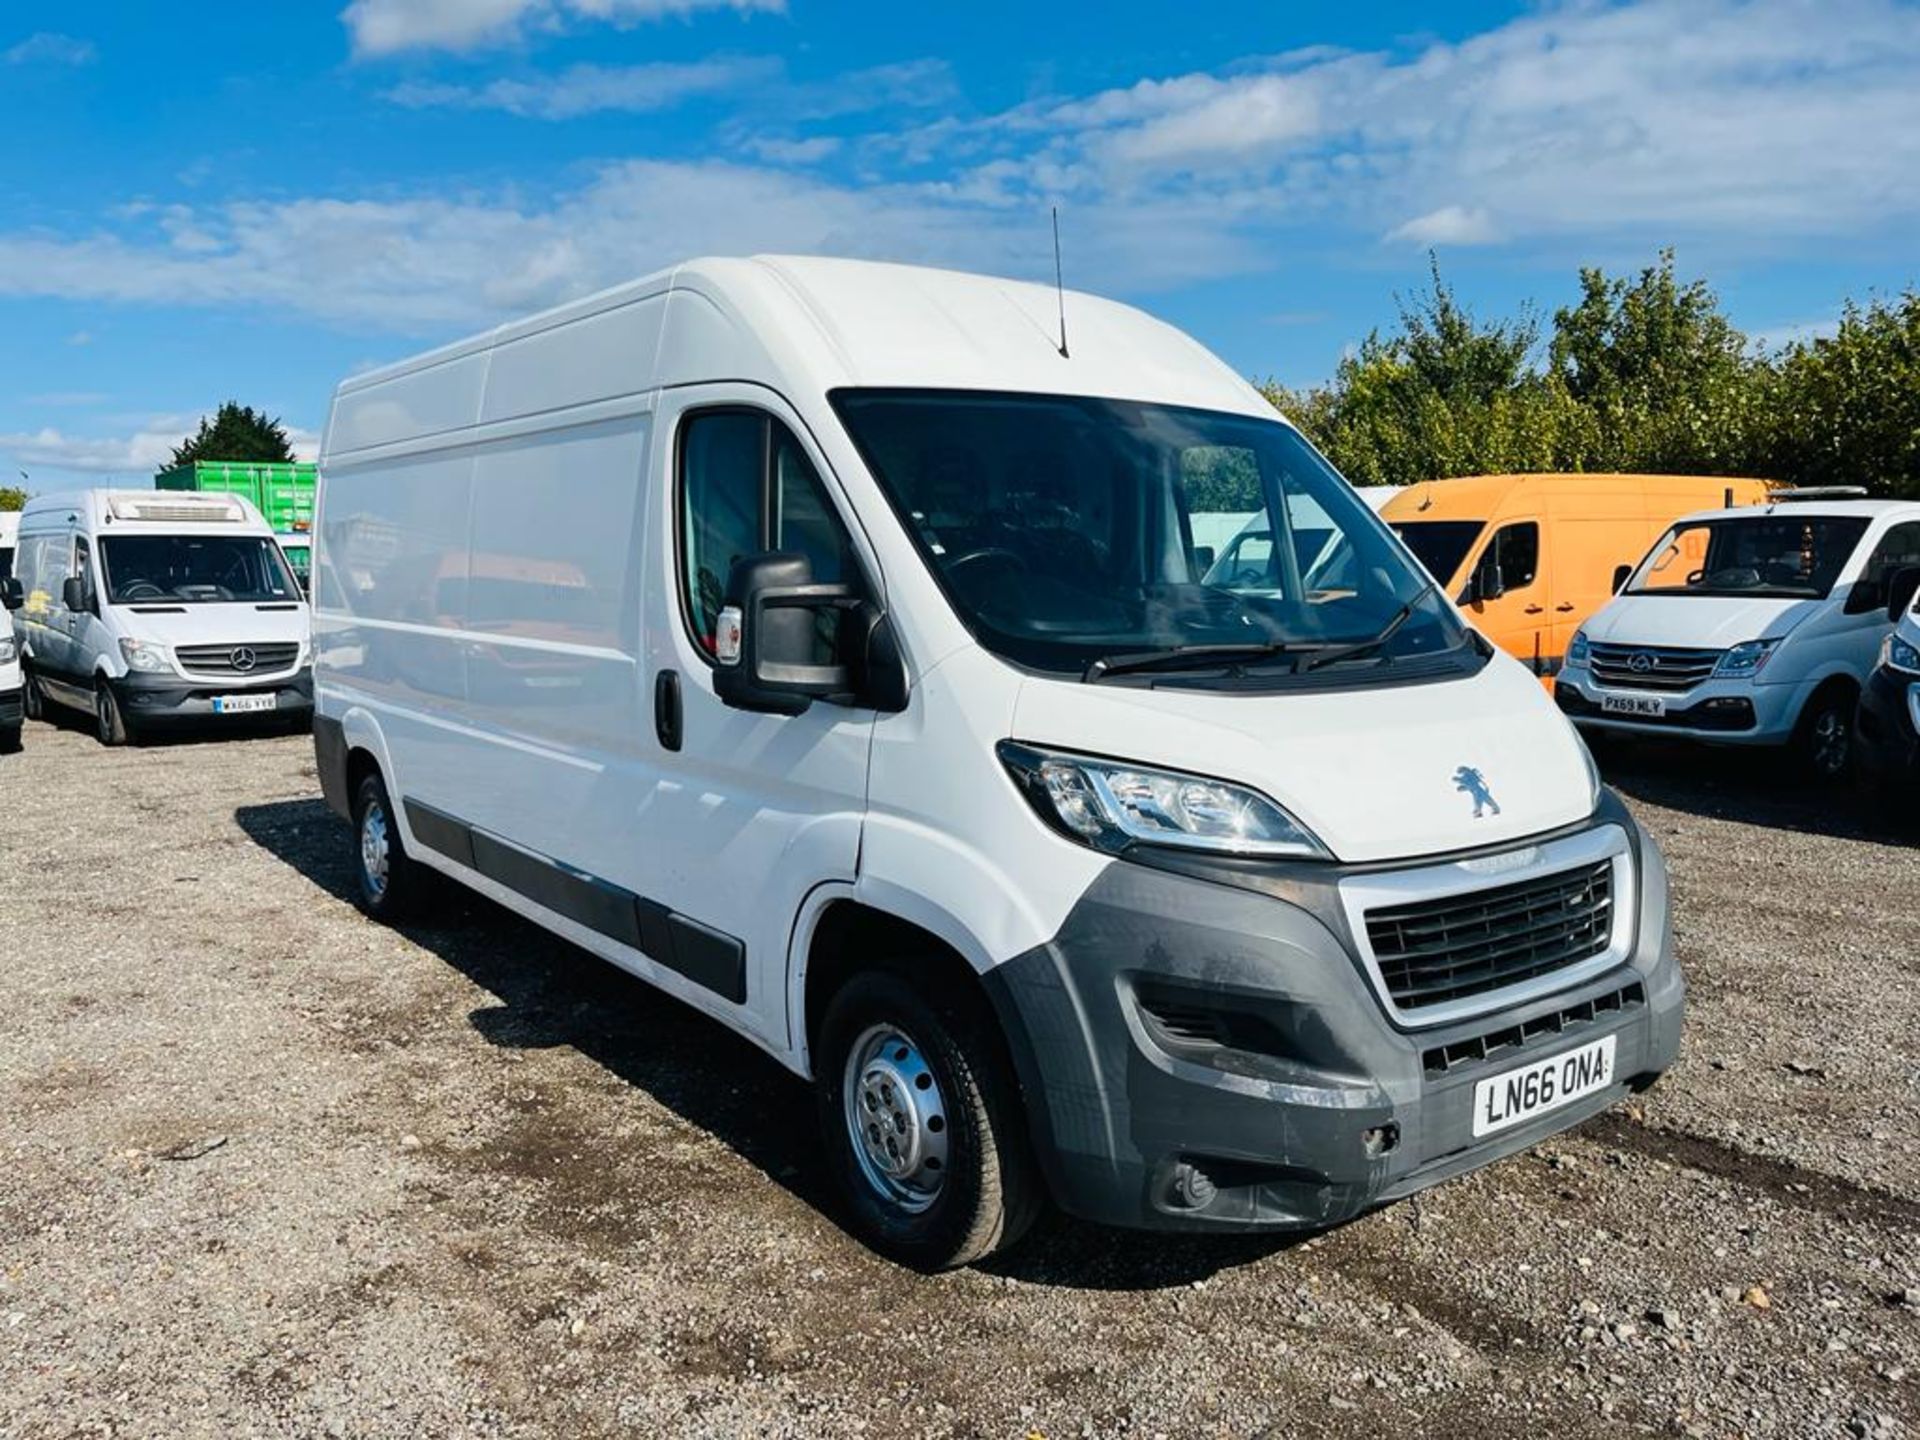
<point x="746" y="486"/>
<point x="1517" y="619"/>
<point x="1898" y="549"/>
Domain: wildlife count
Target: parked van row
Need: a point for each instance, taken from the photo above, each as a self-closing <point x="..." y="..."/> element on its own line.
<point x="829" y="645"/>
<point x="149" y="610"/>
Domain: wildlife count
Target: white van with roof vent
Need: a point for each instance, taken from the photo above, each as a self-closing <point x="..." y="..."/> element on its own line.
<point x="151" y="610"/>
<point x="829" y="645"/>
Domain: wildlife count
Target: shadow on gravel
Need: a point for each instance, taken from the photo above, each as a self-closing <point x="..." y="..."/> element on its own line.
<point x="552" y="993"/>
<point x="1753" y="787"/>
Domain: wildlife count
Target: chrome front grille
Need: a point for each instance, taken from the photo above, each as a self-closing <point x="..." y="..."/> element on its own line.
<point x="238" y="661"/>
<point x="1649" y="667"/>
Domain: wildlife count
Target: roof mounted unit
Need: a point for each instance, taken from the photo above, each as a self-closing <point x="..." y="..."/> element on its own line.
<point x="1818" y="492"/>
<point x="178" y="509"/>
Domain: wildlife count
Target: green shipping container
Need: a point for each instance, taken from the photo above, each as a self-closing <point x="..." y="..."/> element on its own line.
<point x="281" y="491"/>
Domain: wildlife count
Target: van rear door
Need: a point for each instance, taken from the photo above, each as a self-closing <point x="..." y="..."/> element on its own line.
<point x="750" y="812"/>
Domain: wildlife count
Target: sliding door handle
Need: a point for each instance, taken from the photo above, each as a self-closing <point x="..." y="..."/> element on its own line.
<point x="666" y="708"/>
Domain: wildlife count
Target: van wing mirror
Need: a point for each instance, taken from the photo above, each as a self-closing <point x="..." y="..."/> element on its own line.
<point x="1203" y="558"/>
<point x="1902" y="586"/>
<point x="1621" y="574"/>
<point x="12" y="595"/>
<point x="767" y="641"/>
<point x="1486" y="582"/>
<point x="73" y="593"/>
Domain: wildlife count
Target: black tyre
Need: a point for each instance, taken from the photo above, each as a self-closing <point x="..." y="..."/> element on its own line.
<point x="923" y="1123"/>
<point x="387" y="883"/>
<point x="1823" y="740"/>
<point x="109" y="724"/>
<point x="33" y="698"/>
<point x="9" y="740"/>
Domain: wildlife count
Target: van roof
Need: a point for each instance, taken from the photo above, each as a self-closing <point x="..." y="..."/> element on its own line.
<point x="1818" y="508"/>
<point x="151" y="510"/>
<point x="797" y="323"/>
<point x="1462" y="492"/>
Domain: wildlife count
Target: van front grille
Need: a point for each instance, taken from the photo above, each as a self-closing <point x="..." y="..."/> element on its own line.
<point x="1650" y="667"/>
<point x="1430" y="952"/>
<point x="239" y="660"/>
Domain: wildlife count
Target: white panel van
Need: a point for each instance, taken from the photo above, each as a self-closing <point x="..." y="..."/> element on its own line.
<point x="828" y="644"/>
<point x="12" y="712"/>
<point x="1756" y="626"/>
<point x="152" y="609"/>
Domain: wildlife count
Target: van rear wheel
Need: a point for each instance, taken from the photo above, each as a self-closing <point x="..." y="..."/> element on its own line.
<point x="923" y="1125"/>
<point x="387" y="882"/>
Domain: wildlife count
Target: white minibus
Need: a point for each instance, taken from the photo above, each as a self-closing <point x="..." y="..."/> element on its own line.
<point x="827" y="643"/>
<point x="1755" y="626"/>
<point x="151" y="609"/>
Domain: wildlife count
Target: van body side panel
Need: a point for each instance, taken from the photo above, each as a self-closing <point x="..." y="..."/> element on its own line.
<point x="550" y="619"/>
<point x="389" y="585"/>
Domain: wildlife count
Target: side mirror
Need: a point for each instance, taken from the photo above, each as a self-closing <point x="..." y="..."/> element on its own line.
<point x="1902" y="586"/>
<point x="768" y="633"/>
<point x="73" y="594"/>
<point x="11" y="595"/>
<point x="1621" y="574"/>
<point x="1486" y="582"/>
<point x="1203" y="558"/>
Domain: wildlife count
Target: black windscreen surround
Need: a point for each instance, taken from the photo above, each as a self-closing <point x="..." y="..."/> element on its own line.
<point x="1066" y="530"/>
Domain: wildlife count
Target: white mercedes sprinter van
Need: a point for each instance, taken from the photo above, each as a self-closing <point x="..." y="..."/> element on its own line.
<point x="1756" y="626"/>
<point x="150" y="608"/>
<point x="826" y="643"/>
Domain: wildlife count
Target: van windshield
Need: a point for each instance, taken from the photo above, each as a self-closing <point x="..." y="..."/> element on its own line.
<point x="1778" y="554"/>
<point x="1440" y="545"/>
<point x="194" y="569"/>
<point x="1099" y="537"/>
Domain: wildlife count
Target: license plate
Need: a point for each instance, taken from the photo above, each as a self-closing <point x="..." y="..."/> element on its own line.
<point x="244" y="704"/>
<point x="1655" y="705"/>
<point x="1530" y="1090"/>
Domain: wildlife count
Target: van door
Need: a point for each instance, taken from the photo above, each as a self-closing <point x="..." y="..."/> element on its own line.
<point x="750" y="812"/>
<point x="1520" y="619"/>
<point x="1593" y="535"/>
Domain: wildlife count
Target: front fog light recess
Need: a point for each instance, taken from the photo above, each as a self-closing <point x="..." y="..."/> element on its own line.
<point x="1109" y="805"/>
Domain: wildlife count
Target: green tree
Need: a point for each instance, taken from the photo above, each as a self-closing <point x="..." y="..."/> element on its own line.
<point x="236" y="432"/>
<point x="1668" y="381"/>
<point x="12" y="497"/>
<point x="1845" y="410"/>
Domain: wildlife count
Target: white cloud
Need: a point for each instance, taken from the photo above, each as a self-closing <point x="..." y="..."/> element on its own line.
<point x="587" y="89"/>
<point x="146" y="447"/>
<point x="386" y="27"/>
<point x="810" y="151"/>
<point x="48" y="48"/>
<point x="1449" y="225"/>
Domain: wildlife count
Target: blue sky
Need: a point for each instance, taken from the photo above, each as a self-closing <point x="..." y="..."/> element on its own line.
<point x="253" y="200"/>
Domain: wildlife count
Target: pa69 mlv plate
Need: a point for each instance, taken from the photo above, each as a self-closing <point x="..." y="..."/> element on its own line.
<point x="1530" y="1090"/>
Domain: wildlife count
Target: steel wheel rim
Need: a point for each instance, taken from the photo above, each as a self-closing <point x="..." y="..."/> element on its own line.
<point x="896" y="1118"/>
<point x="374" y="850"/>
<point x="1830" y="741"/>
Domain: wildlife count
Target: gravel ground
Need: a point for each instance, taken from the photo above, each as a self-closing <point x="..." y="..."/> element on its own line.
<point x="269" y="1169"/>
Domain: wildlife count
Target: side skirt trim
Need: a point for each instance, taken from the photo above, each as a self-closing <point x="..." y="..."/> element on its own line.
<point x="708" y="957"/>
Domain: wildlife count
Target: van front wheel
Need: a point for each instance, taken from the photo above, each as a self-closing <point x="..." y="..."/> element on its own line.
<point x="387" y="881"/>
<point x="109" y="725"/>
<point x="922" y="1123"/>
<point x="1824" y="736"/>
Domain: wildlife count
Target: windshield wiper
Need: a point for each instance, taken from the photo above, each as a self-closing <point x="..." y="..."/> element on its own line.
<point x="1387" y="632"/>
<point x="1190" y="657"/>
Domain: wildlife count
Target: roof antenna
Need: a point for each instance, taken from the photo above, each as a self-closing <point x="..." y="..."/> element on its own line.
<point x="1059" y="285"/>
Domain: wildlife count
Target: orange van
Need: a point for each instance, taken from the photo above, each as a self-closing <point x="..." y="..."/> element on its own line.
<point x="1530" y="557"/>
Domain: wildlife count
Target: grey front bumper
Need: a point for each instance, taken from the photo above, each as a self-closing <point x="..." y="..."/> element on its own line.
<point x="149" y="700"/>
<point x="1311" y="1106"/>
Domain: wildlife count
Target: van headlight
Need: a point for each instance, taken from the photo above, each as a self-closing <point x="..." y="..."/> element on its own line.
<point x="144" y="655"/>
<point x="1111" y="805"/>
<point x="1744" y="660"/>
<point x="1899" y="653"/>
<point x="1577" y="649"/>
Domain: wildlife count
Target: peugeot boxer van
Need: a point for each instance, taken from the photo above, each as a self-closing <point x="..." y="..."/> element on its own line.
<point x="1531" y="557"/>
<point x="827" y="643"/>
<point x="1751" y="627"/>
<point x="148" y="609"/>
